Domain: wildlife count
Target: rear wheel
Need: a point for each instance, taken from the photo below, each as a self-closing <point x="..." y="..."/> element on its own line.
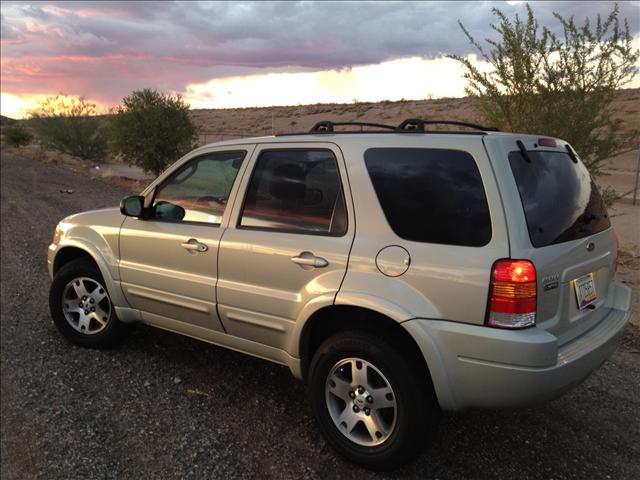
<point x="81" y="307"/>
<point x="369" y="401"/>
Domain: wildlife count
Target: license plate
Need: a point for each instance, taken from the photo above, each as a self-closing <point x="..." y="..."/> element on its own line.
<point x="585" y="290"/>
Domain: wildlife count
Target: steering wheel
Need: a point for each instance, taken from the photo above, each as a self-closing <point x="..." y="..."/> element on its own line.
<point x="212" y="198"/>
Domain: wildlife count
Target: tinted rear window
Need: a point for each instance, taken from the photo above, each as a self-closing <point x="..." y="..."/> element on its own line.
<point x="431" y="195"/>
<point x="297" y="191"/>
<point x="561" y="202"/>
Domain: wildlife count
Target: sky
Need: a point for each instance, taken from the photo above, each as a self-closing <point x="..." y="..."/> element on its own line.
<point x="241" y="54"/>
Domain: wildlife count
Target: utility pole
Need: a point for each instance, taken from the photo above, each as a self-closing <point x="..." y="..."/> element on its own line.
<point x="635" y="188"/>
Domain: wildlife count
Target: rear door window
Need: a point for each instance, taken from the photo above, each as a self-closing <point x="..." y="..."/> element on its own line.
<point x="560" y="199"/>
<point x="431" y="195"/>
<point x="296" y="191"/>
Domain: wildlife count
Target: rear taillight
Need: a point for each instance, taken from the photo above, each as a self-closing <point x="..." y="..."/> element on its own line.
<point x="512" y="294"/>
<point x="547" y="142"/>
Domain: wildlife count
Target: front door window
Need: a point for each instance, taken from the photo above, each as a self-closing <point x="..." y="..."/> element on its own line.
<point x="199" y="190"/>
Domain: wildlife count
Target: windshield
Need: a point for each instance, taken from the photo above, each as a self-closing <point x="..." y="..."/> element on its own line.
<point x="560" y="199"/>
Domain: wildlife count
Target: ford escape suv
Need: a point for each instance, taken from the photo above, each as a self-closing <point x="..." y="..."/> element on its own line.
<point x="399" y="272"/>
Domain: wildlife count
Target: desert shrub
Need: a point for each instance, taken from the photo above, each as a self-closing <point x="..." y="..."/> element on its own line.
<point x="70" y="125"/>
<point x="561" y="86"/>
<point x="152" y="130"/>
<point x="610" y="195"/>
<point x="17" y="136"/>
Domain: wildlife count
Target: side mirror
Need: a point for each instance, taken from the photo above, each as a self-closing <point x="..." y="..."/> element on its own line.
<point x="132" y="206"/>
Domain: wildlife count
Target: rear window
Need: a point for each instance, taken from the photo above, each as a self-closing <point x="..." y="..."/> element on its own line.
<point x="560" y="199"/>
<point x="431" y="195"/>
<point x="296" y="191"/>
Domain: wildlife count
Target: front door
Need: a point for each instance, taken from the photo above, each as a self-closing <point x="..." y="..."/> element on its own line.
<point x="288" y="240"/>
<point x="168" y="262"/>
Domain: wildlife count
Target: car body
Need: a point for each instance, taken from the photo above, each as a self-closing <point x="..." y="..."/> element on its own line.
<point x="240" y="273"/>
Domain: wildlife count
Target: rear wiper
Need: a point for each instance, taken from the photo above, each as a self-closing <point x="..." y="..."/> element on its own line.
<point x="572" y="153"/>
<point x="523" y="151"/>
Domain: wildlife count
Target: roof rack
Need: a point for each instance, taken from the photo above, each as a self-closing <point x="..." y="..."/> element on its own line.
<point x="416" y="125"/>
<point x="327" y="126"/>
<point x="419" y="124"/>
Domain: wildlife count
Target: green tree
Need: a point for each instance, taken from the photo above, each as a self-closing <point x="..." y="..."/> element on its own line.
<point x="70" y="125"/>
<point x="16" y="135"/>
<point x="556" y="85"/>
<point x="152" y="130"/>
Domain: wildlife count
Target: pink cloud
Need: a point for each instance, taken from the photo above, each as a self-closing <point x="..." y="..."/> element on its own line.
<point x="43" y="28"/>
<point x="104" y="50"/>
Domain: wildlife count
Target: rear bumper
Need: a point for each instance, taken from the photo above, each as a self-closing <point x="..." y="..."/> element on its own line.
<point x="475" y="366"/>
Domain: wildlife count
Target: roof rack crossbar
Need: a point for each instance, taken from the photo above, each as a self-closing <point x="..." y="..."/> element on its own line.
<point x="327" y="126"/>
<point x="419" y="124"/>
<point x="410" y="125"/>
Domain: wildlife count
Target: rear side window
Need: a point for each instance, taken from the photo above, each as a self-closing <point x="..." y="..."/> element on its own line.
<point x="431" y="195"/>
<point x="560" y="199"/>
<point x="297" y="191"/>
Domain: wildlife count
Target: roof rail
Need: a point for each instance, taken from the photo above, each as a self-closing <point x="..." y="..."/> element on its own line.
<point x="327" y="126"/>
<point x="411" y="125"/>
<point x="419" y="124"/>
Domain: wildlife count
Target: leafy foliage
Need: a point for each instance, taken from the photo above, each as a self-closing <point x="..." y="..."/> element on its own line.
<point x="70" y="125"/>
<point x="152" y="130"/>
<point x="16" y="135"/>
<point x="560" y="86"/>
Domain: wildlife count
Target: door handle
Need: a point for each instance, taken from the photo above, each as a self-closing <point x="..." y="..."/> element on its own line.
<point x="308" y="259"/>
<point x="194" y="246"/>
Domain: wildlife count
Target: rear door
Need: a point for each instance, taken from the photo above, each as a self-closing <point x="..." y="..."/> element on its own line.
<point x="558" y="220"/>
<point x="288" y="241"/>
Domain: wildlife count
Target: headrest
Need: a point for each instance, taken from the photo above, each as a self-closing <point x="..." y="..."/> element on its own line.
<point x="288" y="182"/>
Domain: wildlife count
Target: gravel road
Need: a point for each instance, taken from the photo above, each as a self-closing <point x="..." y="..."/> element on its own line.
<point x="164" y="406"/>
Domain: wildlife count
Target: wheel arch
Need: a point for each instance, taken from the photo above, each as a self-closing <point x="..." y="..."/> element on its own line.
<point x="333" y="319"/>
<point x="70" y="253"/>
<point x="72" y="250"/>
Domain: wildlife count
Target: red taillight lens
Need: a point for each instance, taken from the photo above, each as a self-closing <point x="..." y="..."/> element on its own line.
<point x="514" y="271"/>
<point x="547" y="142"/>
<point x="513" y="294"/>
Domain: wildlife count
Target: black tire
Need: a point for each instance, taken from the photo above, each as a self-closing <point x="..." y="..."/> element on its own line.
<point x="110" y="335"/>
<point x="417" y="409"/>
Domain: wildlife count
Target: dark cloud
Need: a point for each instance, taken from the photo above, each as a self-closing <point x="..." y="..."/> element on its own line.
<point x="105" y="50"/>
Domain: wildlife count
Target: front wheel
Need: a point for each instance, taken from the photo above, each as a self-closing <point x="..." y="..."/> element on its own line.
<point x="369" y="401"/>
<point x="81" y="307"/>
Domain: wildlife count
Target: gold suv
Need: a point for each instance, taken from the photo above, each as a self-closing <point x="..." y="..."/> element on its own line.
<point x="400" y="272"/>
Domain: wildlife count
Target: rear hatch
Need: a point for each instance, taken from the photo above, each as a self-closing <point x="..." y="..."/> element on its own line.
<point x="557" y="219"/>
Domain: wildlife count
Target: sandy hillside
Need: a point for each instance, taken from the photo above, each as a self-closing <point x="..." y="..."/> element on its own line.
<point x="227" y="123"/>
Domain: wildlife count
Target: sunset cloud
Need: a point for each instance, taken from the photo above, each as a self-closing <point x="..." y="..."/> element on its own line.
<point x="104" y="50"/>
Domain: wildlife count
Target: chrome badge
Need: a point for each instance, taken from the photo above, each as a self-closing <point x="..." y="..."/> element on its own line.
<point x="550" y="282"/>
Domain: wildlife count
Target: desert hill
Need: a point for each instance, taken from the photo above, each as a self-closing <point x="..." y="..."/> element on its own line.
<point x="239" y="122"/>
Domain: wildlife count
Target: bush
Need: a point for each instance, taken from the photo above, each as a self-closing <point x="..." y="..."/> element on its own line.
<point x="70" y="125"/>
<point x="152" y="130"/>
<point x="17" y="136"/>
<point x="557" y="86"/>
